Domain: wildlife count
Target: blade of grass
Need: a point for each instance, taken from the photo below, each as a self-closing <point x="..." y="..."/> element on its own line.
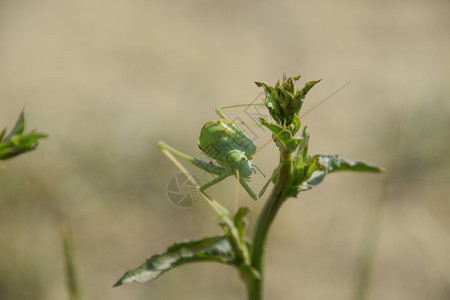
<point x="71" y="263"/>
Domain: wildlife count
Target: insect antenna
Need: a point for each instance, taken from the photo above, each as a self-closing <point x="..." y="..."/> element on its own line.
<point x="267" y="143"/>
<point x="324" y="99"/>
<point x="243" y="105"/>
<point x="239" y="123"/>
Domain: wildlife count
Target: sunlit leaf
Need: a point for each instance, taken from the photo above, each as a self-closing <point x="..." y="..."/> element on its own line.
<point x="300" y="96"/>
<point x="2" y="134"/>
<point x="240" y="223"/>
<point x="314" y="175"/>
<point x="15" y="142"/>
<point x="18" y="127"/>
<point x="19" y="144"/>
<point x="334" y="163"/>
<point x="282" y="135"/>
<point x="321" y="165"/>
<point x="212" y="249"/>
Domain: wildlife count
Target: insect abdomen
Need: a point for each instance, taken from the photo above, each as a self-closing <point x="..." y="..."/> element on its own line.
<point x="218" y="139"/>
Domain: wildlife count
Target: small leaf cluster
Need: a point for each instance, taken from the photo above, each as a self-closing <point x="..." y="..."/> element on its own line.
<point x="17" y="142"/>
<point x="284" y="102"/>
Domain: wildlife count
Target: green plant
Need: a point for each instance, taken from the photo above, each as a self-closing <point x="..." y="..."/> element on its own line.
<point x="17" y="142"/>
<point x="297" y="171"/>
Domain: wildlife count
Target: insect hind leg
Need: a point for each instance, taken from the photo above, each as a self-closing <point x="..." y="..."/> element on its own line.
<point x="206" y="166"/>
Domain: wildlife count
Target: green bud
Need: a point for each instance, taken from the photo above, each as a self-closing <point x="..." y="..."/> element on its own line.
<point x="285" y="100"/>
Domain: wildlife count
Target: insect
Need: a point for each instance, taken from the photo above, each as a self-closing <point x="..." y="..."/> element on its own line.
<point x="231" y="148"/>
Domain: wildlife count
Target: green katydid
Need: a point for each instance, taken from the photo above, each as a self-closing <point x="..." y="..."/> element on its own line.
<point x="231" y="148"/>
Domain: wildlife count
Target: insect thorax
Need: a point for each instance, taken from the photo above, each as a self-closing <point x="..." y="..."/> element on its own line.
<point x="238" y="161"/>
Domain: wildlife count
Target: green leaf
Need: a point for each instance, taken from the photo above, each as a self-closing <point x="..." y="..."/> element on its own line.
<point x="2" y="134"/>
<point x="272" y="103"/>
<point x="300" y="95"/>
<point x="212" y="249"/>
<point x="298" y="172"/>
<point x="308" y="86"/>
<point x="334" y="163"/>
<point x="240" y="223"/>
<point x="282" y="136"/>
<point x="235" y="233"/>
<point x="19" y="144"/>
<point x="16" y="142"/>
<point x="18" y="127"/>
<point x="297" y="124"/>
<point x="321" y="165"/>
<point x="314" y="175"/>
<point x="242" y="261"/>
<point x="303" y="147"/>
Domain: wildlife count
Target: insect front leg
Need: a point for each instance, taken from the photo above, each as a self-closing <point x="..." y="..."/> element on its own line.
<point x="263" y="190"/>
<point x="248" y="189"/>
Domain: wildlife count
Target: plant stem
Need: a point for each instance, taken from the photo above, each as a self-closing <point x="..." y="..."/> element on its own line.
<point x="72" y="279"/>
<point x="265" y="219"/>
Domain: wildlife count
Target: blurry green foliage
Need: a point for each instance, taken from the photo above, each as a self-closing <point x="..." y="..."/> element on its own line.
<point x="17" y="142"/>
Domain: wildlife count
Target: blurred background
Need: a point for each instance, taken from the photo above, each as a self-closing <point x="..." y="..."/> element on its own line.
<point x="108" y="79"/>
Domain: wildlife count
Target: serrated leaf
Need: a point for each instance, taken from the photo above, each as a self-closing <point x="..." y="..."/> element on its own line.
<point x="322" y="165"/>
<point x="212" y="249"/>
<point x="334" y="163"/>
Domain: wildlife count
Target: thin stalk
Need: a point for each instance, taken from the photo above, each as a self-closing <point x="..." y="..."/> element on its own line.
<point x="72" y="279"/>
<point x="366" y="259"/>
<point x="273" y="204"/>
